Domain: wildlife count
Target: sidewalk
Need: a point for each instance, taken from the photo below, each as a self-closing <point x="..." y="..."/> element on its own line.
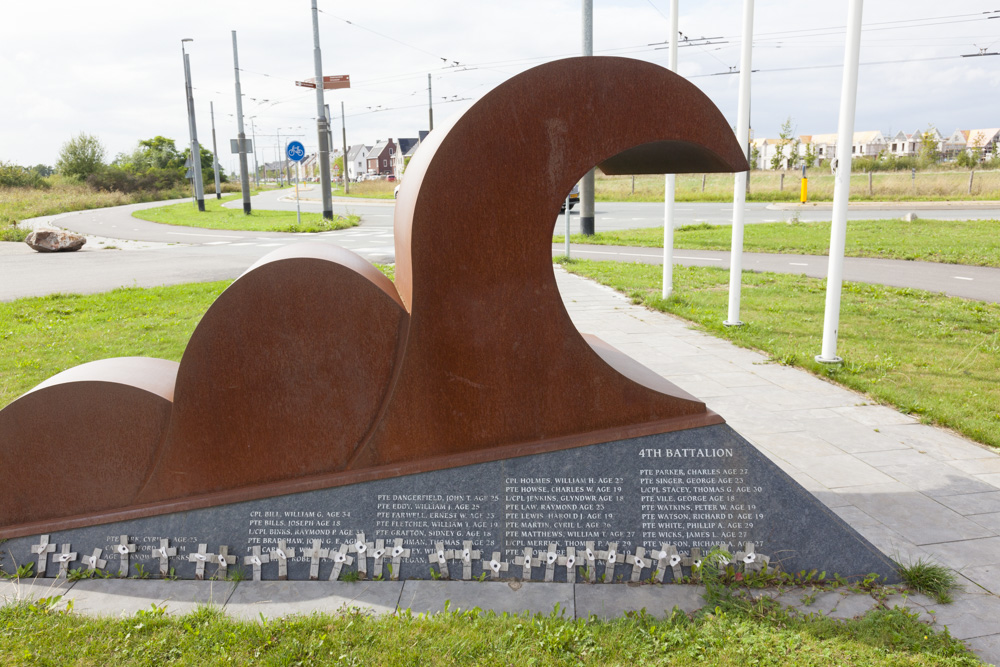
<point x="915" y="491"/>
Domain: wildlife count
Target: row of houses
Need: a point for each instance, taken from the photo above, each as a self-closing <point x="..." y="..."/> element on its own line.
<point x="387" y="157"/>
<point x="823" y="147"/>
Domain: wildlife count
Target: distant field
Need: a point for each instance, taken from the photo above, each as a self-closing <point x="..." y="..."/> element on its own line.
<point x="767" y="186"/>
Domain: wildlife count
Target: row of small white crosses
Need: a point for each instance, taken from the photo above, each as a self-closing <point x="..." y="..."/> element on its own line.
<point x="65" y="557"/>
<point x="364" y="550"/>
<point x="666" y="556"/>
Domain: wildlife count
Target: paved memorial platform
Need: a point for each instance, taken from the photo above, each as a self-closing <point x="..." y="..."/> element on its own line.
<point x="912" y="490"/>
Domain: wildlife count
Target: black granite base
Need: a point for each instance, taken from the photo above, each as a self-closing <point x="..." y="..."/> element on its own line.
<point x="691" y="489"/>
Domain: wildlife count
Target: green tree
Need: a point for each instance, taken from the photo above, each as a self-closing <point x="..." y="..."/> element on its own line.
<point x="810" y="155"/>
<point x="929" y="148"/>
<point x="43" y="170"/>
<point x="81" y="156"/>
<point x="785" y="139"/>
<point x="754" y="156"/>
<point x="207" y="173"/>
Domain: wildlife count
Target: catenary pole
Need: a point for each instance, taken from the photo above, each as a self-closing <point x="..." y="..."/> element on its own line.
<point x="321" y="125"/>
<point x="587" y="184"/>
<point x="256" y="167"/>
<point x="670" y="180"/>
<point x="241" y="137"/>
<point x="199" y="192"/>
<point x="842" y="184"/>
<point x="279" y="154"/>
<point x="430" y="104"/>
<point x="740" y="186"/>
<point x="215" y="154"/>
<point x="343" y="136"/>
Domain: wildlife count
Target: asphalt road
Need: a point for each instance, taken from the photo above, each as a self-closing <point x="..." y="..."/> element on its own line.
<point x="152" y="254"/>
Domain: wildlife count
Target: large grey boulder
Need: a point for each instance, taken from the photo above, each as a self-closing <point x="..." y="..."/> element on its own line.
<point x="55" y="240"/>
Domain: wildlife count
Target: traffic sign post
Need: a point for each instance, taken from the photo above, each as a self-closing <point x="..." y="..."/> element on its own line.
<point x="296" y="152"/>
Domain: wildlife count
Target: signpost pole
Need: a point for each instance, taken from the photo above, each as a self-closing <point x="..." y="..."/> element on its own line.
<point x="199" y="193"/>
<point x="215" y="154"/>
<point x="343" y="131"/>
<point x="295" y="151"/>
<point x="324" y="135"/>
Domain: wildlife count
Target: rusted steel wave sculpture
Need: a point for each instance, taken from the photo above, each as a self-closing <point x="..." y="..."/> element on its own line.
<point x="313" y="370"/>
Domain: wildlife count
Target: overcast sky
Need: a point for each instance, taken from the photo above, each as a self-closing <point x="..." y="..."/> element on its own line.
<point x="114" y="69"/>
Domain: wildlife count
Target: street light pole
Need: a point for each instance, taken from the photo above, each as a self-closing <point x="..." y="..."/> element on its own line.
<point x="215" y="155"/>
<point x="256" y="167"/>
<point x="199" y="193"/>
<point x="430" y="104"/>
<point x="670" y="180"/>
<point x="343" y="130"/>
<point x="587" y="184"/>
<point x="241" y="137"/>
<point x="321" y="124"/>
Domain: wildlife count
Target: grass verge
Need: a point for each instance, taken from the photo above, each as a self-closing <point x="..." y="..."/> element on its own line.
<point x="946" y="241"/>
<point x="369" y="190"/>
<point x="929" y="355"/>
<point x="218" y="217"/>
<point x="36" y="634"/>
<point x="767" y="185"/>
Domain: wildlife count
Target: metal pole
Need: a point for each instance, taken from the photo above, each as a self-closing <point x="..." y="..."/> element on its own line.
<point x="430" y="104"/>
<point x="842" y="184"/>
<point x="279" y="152"/>
<point x="329" y="130"/>
<point x="670" y="180"/>
<point x="215" y="154"/>
<point x="343" y="134"/>
<point x="321" y="125"/>
<point x="256" y="167"/>
<point x="740" y="186"/>
<point x="298" y="207"/>
<point x="199" y="192"/>
<point x="587" y="184"/>
<point x="567" y="226"/>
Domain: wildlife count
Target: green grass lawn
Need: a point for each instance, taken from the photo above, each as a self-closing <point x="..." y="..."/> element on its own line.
<point x="737" y="637"/>
<point x="216" y="216"/>
<point x="927" y="354"/>
<point x="975" y="242"/>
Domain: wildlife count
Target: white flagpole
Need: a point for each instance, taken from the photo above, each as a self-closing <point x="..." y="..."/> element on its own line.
<point x="668" y="189"/>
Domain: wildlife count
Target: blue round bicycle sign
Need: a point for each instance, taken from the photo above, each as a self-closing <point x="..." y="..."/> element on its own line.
<point x="295" y="151"/>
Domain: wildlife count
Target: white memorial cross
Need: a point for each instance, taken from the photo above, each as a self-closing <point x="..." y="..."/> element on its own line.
<point x="314" y="555"/>
<point x="94" y="561"/>
<point x="398" y="553"/>
<point x="527" y="562"/>
<point x="199" y="558"/>
<point x="124" y="549"/>
<point x="224" y="559"/>
<point x="440" y="557"/>
<point x="551" y="559"/>
<point x="666" y="557"/>
<point x="497" y="566"/>
<point x="164" y="552"/>
<point x="378" y="552"/>
<point x="468" y="554"/>
<point x="591" y="556"/>
<point x="569" y="562"/>
<point x="693" y="561"/>
<point x="723" y="559"/>
<point x="340" y="558"/>
<point x="257" y="559"/>
<point x="282" y="553"/>
<point x="638" y="563"/>
<point x="64" y="559"/>
<point x="752" y="561"/>
<point x="610" y="558"/>
<point x="43" y="549"/>
<point x="361" y="548"/>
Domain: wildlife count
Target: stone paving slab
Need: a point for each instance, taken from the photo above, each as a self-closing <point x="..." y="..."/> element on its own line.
<point x="837" y="604"/>
<point x="615" y="600"/>
<point x="513" y="597"/>
<point x="118" y="597"/>
<point x="15" y="590"/>
<point x="275" y="599"/>
<point x="970" y="615"/>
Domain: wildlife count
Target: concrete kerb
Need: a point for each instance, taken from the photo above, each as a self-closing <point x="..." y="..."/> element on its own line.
<point x="886" y="205"/>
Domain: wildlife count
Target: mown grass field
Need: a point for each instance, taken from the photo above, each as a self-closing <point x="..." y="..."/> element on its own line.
<point x="215" y="216"/>
<point x="933" y="356"/>
<point x="737" y="637"/>
<point x="974" y="242"/>
<point x="766" y="185"/>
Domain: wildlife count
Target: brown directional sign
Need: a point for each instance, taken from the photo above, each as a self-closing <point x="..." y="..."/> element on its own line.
<point x="313" y="370"/>
<point x="329" y="82"/>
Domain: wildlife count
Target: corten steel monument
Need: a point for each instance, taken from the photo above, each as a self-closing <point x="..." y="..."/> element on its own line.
<point x="454" y="411"/>
<point x="314" y="370"/>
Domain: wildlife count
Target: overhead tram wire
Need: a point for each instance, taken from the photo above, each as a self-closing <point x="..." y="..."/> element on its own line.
<point x="393" y="39"/>
<point x="833" y="66"/>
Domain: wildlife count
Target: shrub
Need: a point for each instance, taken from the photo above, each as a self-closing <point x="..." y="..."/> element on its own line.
<point x="16" y="176"/>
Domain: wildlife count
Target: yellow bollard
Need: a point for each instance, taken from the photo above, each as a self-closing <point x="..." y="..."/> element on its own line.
<point x="804" y="190"/>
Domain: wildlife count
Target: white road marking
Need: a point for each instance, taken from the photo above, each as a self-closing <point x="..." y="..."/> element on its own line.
<point x="218" y="243"/>
<point x="217" y="236"/>
<point x="703" y="259"/>
<point x="244" y="243"/>
<point x="962" y="278"/>
<point x="636" y="254"/>
<point x="798" y="264"/>
<point x="265" y="245"/>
